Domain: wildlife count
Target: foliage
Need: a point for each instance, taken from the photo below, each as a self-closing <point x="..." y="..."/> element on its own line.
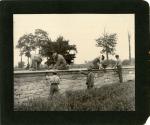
<point x="26" y="43"/>
<point x="21" y="64"/>
<point x="126" y="62"/>
<point x="114" y="97"/>
<point x="110" y="62"/>
<point x="40" y="39"/>
<point x="108" y="43"/>
<point x="61" y="46"/>
<point x="105" y="64"/>
<point x="86" y="65"/>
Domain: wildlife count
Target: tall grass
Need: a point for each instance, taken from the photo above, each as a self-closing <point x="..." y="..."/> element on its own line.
<point x="114" y="97"/>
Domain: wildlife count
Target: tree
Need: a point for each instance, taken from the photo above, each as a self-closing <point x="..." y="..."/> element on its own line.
<point x="41" y="38"/>
<point x="68" y="51"/>
<point x="126" y="62"/>
<point x="26" y="44"/>
<point x="61" y="46"/>
<point x="21" y="64"/>
<point x="108" y="43"/>
<point x="20" y="46"/>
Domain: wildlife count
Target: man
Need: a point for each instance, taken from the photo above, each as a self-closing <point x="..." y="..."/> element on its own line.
<point x="60" y="62"/>
<point x="118" y="65"/>
<point x="98" y="62"/>
<point x="90" y="79"/>
<point x="36" y="60"/>
<point x="54" y="81"/>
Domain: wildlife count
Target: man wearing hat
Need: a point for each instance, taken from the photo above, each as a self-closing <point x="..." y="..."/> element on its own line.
<point x="54" y="81"/>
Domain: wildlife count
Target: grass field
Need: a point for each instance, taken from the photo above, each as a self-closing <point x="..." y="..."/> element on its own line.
<point x="112" y="97"/>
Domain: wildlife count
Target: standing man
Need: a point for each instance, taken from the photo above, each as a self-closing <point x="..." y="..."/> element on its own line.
<point x="118" y="66"/>
<point x="54" y="81"/>
<point x="60" y="62"/>
<point x="90" y="79"/>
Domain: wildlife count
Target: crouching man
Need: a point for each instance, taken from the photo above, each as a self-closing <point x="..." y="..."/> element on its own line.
<point x="54" y="81"/>
<point x="60" y="62"/>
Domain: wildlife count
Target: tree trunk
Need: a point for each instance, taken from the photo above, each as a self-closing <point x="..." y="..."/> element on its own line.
<point x="107" y="56"/>
<point x="21" y="57"/>
<point x="28" y="63"/>
<point x="21" y="62"/>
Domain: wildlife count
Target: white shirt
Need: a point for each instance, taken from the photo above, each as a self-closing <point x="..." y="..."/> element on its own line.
<point x="53" y="79"/>
<point x="118" y="63"/>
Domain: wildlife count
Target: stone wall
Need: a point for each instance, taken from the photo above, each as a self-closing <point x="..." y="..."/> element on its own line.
<point x="28" y="87"/>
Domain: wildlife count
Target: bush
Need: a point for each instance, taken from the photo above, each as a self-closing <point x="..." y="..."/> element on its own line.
<point x="126" y="62"/>
<point x="86" y="65"/>
<point x="114" y="97"/>
<point x="109" y="63"/>
<point x="43" y="67"/>
<point x="21" y="64"/>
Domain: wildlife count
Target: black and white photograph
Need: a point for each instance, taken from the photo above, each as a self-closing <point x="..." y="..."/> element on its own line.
<point x="74" y="62"/>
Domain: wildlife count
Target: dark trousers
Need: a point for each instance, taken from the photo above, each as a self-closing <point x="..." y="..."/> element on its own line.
<point x="119" y="71"/>
<point x="54" y="89"/>
<point x="90" y="86"/>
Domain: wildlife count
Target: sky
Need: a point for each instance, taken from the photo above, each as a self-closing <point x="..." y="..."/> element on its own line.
<point x="80" y="29"/>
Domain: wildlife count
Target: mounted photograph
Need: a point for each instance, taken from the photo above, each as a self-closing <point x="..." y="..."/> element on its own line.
<point x="74" y="62"/>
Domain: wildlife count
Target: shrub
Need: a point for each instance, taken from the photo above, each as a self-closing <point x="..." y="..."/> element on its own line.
<point x="126" y="62"/>
<point x="43" y="67"/>
<point x="21" y="64"/>
<point x="110" y="63"/>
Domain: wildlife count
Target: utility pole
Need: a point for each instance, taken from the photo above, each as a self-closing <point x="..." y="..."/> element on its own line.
<point x="129" y="37"/>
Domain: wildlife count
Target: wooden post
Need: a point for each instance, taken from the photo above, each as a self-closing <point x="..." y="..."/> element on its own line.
<point x="129" y="37"/>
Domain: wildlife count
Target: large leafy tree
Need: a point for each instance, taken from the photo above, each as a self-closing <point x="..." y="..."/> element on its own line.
<point x="61" y="46"/>
<point x="41" y="38"/>
<point x="20" y="46"/>
<point x="26" y="43"/>
<point x="108" y="43"/>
